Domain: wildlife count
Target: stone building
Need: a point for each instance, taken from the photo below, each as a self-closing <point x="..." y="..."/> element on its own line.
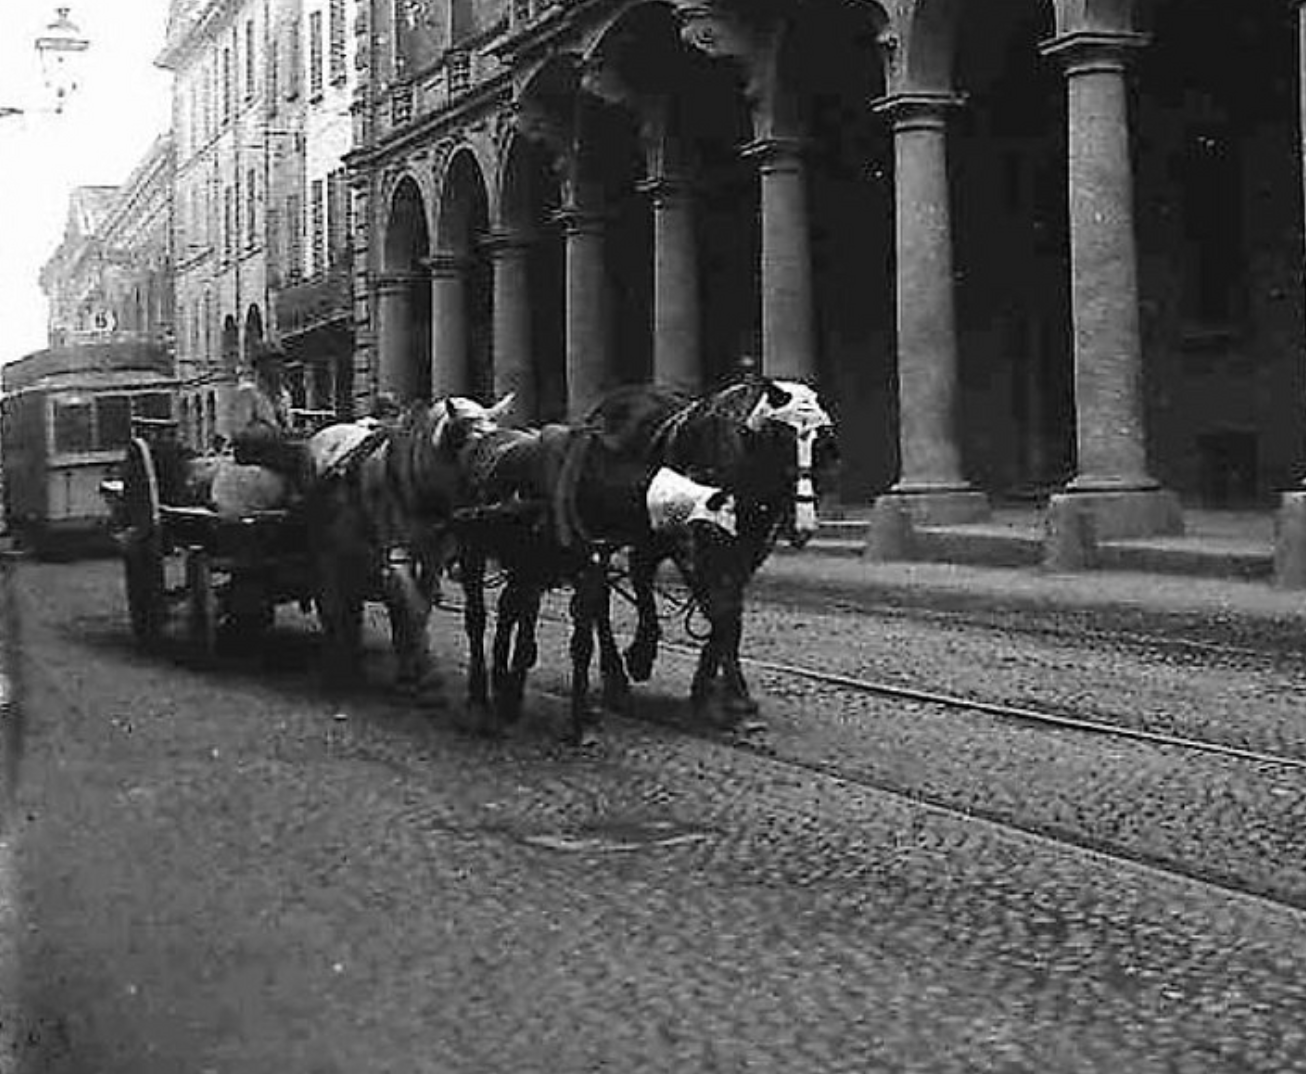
<point x="73" y="279"/>
<point x="110" y="279"/>
<point x="260" y="94"/>
<point x="1022" y="245"/>
<point x="311" y="299"/>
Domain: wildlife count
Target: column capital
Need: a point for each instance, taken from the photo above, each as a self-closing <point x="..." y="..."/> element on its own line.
<point x="670" y="190"/>
<point x="504" y="242"/>
<point x="918" y="111"/>
<point x="576" y="220"/>
<point x="392" y="283"/>
<point x="1094" y="51"/>
<point x="776" y="154"/>
<point x="446" y="264"/>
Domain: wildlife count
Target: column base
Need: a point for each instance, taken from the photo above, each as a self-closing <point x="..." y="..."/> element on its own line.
<point x="940" y="505"/>
<point x="1290" y="542"/>
<point x="1122" y="513"/>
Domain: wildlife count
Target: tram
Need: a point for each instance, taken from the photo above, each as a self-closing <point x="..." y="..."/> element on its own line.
<point x="66" y="417"/>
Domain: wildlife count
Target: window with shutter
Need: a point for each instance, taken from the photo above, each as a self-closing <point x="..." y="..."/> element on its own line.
<point x="226" y="85"/>
<point x="273" y="78"/>
<point x="272" y="242"/>
<point x="337" y="51"/>
<point x="318" y="195"/>
<point x="294" y="238"/>
<point x="315" y="55"/>
<point x="295" y="71"/>
<point x="228" y="221"/>
<point x="250" y="58"/>
<point x="251" y="204"/>
<point x="337" y="238"/>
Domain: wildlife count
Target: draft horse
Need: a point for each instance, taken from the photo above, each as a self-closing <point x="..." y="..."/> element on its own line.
<point x="756" y="440"/>
<point x="551" y="508"/>
<point x="379" y="514"/>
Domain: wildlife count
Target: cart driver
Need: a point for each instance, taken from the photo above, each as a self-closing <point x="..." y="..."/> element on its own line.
<point x="261" y="420"/>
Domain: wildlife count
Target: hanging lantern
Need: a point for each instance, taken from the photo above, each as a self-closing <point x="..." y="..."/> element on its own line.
<point x="61" y="48"/>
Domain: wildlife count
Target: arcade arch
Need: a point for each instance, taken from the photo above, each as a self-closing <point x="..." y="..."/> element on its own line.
<point x="404" y="296"/>
<point x="461" y="283"/>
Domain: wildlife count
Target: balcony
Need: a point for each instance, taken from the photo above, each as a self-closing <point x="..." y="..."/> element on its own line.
<point x="301" y="307"/>
<point x="401" y="104"/>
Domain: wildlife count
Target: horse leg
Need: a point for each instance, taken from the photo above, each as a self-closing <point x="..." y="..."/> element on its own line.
<point x="583" y="720"/>
<point x="701" y="694"/>
<point x="340" y="613"/>
<point x="722" y="604"/>
<point x="472" y="573"/>
<point x="741" y="708"/>
<point x="508" y="623"/>
<point x="526" y="651"/>
<point x="409" y="609"/>
<point x="643" y="649"/>
<point x="616" y="683"/>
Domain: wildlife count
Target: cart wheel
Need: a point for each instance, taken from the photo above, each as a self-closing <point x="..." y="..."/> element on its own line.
<point x="142" y="549"/>
<point x="202" y="603"/>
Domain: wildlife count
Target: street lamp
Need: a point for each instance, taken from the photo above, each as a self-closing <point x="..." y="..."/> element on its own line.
<point x="60" y="49"/>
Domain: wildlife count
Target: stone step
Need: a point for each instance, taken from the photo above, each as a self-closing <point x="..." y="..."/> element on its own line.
<point x="1004" y="546"/>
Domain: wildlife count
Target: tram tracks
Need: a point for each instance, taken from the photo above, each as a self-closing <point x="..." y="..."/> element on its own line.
<point x="1020" y="714"/>
<point x="1282" y="888"/>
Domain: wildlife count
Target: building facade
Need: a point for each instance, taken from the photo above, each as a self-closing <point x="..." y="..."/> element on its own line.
<point x="1023" y="246"/>
<point x="110" y="278"/>
<point x="312" y="304"/>
<point x="260" y="123"/>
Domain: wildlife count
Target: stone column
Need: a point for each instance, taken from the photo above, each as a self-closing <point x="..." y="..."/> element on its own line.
<point x="1112" y="479"/>
<point x="931" y="484"/>
<point x="676" y="353"/>
<point x="587" y="313"/>
<point x="788" y="348"/>
<point x="510" y="256"/>
<point x="448" y="325"/>
<point x="396" y="372"/>
<point x="1290" y="527"/>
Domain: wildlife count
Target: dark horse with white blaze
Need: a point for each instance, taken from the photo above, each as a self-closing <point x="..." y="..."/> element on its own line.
<point x="754" y="439"/>
<point x="551" y="510"/>
<point x="379" y="515"/>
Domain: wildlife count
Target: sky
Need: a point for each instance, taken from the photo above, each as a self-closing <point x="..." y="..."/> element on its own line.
<point x="123" y="104"/>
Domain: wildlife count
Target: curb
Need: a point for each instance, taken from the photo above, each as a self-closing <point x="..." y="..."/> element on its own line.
<point x="1221" y="611"/>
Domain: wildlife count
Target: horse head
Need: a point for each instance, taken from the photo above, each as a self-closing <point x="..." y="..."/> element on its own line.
<point x="786" y="422"/>
<point x="463" y="420"/>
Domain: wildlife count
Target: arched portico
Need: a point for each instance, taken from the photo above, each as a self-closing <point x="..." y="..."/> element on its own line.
<point x="253" y="333"/>
<point x="461" y="282"/>
<point x="230" y="344"/>
<point x="1074" y="56"/>
<point x="827" y="68"/>
<point x="403" y="296"/>
<point x="529" y="283"/>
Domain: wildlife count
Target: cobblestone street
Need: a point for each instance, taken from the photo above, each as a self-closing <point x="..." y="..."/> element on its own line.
<point x="228" y="870"/>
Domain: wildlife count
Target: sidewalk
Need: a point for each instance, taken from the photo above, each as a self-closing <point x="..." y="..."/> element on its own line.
<point x="1219" y="603"/>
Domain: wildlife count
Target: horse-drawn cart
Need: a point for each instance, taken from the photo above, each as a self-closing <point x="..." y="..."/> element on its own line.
<point x="227" y="572"/>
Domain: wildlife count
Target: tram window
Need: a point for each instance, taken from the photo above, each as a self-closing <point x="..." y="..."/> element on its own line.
<point x="73" y="430"/>
<point x="154" y="405"/>
<point x="113" y="421"/>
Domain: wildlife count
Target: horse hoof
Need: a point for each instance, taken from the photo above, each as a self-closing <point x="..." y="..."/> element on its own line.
<point x="616" y="702"/>
<point x="508" y="712"/>
<point x="639" y="664"/>
<point x="586" y="739"/>
<point x="742" y="708"/>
